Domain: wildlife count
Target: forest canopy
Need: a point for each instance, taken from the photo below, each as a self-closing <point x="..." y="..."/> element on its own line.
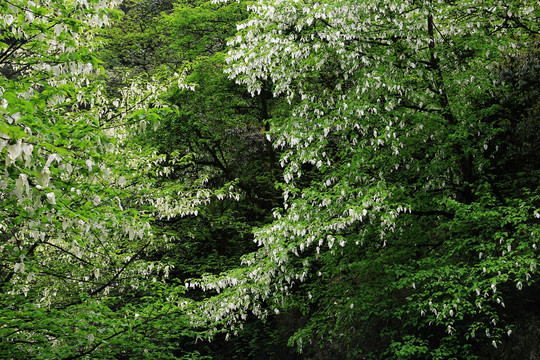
<point x="270" y="179"/>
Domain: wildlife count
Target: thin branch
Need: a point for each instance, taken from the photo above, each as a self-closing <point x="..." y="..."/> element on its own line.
<point x="433" y="213"/>
<point x="101" y="288"/>
<point x="67" y="252"/>
<point x="30" y="252"/>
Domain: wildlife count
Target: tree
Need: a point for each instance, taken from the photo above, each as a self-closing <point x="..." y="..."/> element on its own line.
<point x="73" y="279"/>
<point x="399" y="237"/>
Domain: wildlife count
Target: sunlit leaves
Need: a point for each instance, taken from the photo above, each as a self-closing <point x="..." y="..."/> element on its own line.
<point x="70" y="240"/>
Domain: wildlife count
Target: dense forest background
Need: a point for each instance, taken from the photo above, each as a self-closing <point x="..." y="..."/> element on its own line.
<point x="269" y="179"/>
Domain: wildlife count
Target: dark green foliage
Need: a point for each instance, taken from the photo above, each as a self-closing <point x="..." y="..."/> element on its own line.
<point x="219" y="128"/>
<point x="139" y="42"/>
<point x="217" y="133"/>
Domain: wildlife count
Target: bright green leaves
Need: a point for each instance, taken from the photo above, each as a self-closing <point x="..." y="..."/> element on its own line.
<point x="71" y="243"/>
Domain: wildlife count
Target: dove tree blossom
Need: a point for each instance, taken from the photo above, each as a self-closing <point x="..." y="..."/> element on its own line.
<point x="395" y="203"/>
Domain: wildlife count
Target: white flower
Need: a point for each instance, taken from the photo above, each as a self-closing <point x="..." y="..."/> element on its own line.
<point x="51" y="198"/>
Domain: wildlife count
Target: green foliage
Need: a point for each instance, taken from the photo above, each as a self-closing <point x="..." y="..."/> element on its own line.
<point x="138" y="41"/>
<point x="73" y="279"/>
<point x="212" y="142"/>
